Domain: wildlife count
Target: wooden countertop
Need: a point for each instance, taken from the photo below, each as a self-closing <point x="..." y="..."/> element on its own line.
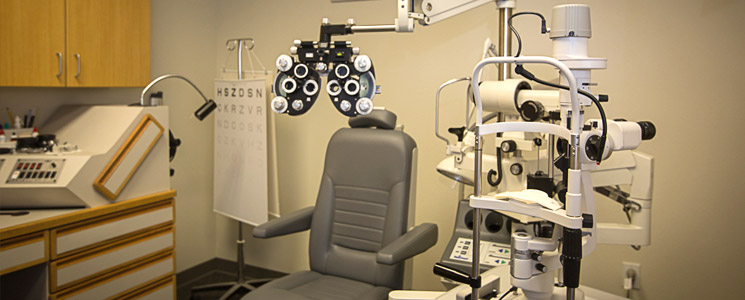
<point x="43" y="219"/>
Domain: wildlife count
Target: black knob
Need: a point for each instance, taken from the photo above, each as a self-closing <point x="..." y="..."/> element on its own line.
<point x="536" y="256"/>
<point x="531" y="111"/>
<point x="493" y="222"/>
<point x="593" y="148"/>
<point x="648" y="130"/>
<point x="458" y="131"/>
<point x="587" y="221"/>
<point x="508" y="146"/>
<point x="541" y="268"/>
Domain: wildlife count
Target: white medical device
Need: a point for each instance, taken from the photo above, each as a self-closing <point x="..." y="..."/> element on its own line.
<point x="104" y="154"/>
<point x="534" y="258"/>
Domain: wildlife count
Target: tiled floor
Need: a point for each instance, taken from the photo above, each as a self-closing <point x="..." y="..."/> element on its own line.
<point x="215" y="271"/>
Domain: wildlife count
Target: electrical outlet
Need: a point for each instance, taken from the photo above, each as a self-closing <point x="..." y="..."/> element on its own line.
<point x="636" y="268"/>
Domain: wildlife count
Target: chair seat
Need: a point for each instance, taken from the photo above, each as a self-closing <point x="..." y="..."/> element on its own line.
<point x="309" y="285"/>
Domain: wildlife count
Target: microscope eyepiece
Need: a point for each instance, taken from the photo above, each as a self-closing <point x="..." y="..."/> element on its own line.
<point x="648" y="130"/>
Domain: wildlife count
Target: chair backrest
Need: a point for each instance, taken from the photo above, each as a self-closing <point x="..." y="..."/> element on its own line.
<point x="363" y="200"/>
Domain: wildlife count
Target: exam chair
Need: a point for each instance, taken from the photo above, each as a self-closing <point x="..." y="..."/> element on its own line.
<point x="358" y="227"/>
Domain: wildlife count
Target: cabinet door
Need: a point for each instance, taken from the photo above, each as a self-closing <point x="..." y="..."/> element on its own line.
<point x="32" y="33"/>
<point x="108" y="43"/>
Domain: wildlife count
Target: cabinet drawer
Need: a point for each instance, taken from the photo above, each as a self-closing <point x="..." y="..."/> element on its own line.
<point x="90" y="234"/>
<point x="121" y="283"/>
<point x="100" y="261"/>
<point x="24" y="251"/>
<point x="164" y="289"/>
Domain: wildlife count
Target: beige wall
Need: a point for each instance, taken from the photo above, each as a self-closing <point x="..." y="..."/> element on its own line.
<point x="661" y="67"/>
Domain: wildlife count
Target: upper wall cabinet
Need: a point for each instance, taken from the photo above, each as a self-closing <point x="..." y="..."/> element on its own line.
<point x="75" y="43"/>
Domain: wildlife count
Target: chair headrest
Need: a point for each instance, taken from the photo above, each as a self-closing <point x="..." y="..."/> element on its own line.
<point x="381" y="119"/>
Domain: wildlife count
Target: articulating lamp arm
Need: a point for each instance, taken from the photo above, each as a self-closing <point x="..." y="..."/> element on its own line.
<point x="429" y="12"/>
<point x="203" y="110"/>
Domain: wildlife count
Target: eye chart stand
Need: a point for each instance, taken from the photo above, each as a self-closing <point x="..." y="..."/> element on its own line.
<point x="237" y="203"/>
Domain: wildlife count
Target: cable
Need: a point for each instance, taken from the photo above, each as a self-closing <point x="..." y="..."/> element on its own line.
<point x="520" y="70"/>
<point x="520" y="41"/>
<point x="517" y="35"/>
<point x="603" y="137"/>
<point x="512" y="289"/>
<point x="498" y="172"/>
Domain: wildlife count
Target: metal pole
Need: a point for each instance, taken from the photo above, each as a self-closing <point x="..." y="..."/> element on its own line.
<point x="240" y="243"/>
<point x="240" y="59"/>
<point x="570" y="293"/>
<point x="551" y="145"/>
<point x="373" y="28"/>
<point x="505" y="42"/>
<point x="476" y="216"/>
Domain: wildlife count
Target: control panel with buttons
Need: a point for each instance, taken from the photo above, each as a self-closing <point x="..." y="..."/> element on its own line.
<point x="492" y="254"/>
<point x="36" y="171"/>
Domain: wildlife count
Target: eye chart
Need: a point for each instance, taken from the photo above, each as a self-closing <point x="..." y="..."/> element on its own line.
<point x="240" y="179"/>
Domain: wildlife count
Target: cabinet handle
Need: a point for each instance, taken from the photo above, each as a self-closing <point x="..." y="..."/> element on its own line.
<point x="59" y="58"/>
<point x="77" y="56"/>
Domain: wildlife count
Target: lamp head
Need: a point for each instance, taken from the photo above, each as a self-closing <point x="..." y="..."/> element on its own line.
<point x="205" y="110"/>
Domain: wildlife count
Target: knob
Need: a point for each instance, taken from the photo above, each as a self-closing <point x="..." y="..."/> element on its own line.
<point x="279" y="104"/>
<point x="284" y="62"/>
<point x="458" y="131"/>
<point x="587" y="221"/>
<point x="345" y="105"/>
<point x="364" y="106"/>
<point x="531" y="111"/>
<point x="297" y="105"/>
<point x="516" y="169"/>
<point x="593" y="149"/>
<point x="508" y="146"/>
<point x="362" y="63"/>
<point x="541" y="268"/>
<point x="536" y="256"/>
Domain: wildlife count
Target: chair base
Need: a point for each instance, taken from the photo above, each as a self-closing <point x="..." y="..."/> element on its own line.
<point x="232" y="287"/>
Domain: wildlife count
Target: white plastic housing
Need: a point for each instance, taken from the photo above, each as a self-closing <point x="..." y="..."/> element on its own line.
<point x="500" y="96"/>
<point x="570" y="20"/>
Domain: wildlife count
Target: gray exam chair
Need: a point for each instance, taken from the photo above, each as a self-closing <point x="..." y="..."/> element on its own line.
<point x="358" y="228"/>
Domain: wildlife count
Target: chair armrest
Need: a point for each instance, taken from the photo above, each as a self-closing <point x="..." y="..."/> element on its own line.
<point x="411" y="243"/>
<point x="295" y="221"/>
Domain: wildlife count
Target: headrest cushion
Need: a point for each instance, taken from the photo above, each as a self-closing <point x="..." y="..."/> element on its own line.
<point x="382" y="119"/>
